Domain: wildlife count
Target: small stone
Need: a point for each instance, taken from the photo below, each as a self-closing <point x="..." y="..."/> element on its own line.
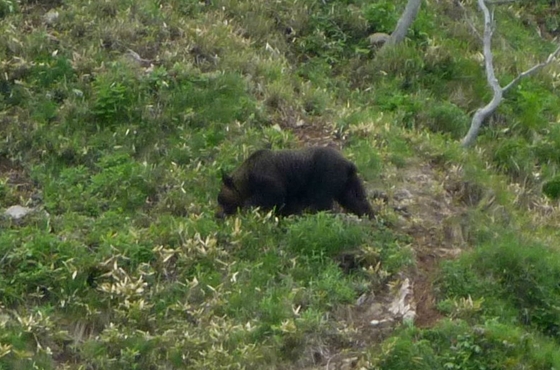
<point x="17" y="212"/>
<point x="402" y="194"/>
<point x="361" y="300"/>
<point x="378" y="39"/>
<point x="379" y="322"/>
<point x="51" y="17"/>
<point x="349" y="363"/>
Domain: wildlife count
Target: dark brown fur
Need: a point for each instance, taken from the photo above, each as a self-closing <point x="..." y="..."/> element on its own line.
<point x="292" y="181"/>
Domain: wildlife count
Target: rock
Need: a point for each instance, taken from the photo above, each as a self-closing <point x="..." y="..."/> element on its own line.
<point x="401" y="306"/>
<point x="378" y="39"/>
<point x="379" y="322"/>
<point x="18" y="212"/>
<point x="402" y="194"/>
<point x="51" y="17"/>
<point x="36" y="199"/>
<point x="349" y="363"/>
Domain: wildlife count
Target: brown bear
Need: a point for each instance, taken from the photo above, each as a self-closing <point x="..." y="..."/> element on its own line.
<point x="291" y="181"/>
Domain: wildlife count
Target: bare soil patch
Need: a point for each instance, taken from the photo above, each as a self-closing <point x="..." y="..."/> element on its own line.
<point x="432" y="215"/>
<point x="17" y="178"/>
<point x="434" y="225"/>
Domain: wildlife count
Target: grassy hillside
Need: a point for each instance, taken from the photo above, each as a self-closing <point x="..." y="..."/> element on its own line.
<point x="117" y="118"/>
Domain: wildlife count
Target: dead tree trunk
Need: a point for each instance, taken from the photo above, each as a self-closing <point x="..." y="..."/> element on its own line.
<point x="406" y="19"/>
<point x="482" y="113"/>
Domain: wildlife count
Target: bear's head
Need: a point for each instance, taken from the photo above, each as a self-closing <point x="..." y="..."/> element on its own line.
<point x="230" y="199"/>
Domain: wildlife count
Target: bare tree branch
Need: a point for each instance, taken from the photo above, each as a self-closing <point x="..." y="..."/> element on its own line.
<point x="484" y="112"/>
<point x="501" y="2"/>
<point x="533" y="69"/>
<point x="470" y="23"/>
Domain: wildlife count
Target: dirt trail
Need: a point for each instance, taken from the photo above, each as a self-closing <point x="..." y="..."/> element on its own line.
<point x="433" y="216"/>
<point x="17" y="178"/>
<point x="435" y="226"/>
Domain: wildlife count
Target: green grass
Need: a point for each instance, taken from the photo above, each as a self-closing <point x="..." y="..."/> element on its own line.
<point x="128" y="283"/>
<point x="123" y="265"/>
<point x="513" y="275"/>
<point x="458" y="345"/>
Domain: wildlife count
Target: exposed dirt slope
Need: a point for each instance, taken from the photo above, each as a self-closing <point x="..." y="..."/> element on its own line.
<point x="433" y="216"/>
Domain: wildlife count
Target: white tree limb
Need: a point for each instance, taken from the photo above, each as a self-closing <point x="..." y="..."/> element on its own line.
<point x="482" y="113"/>
<point x="500" y="2"/>
<point x="533" y="69"/>
<point x="409" y="15"/>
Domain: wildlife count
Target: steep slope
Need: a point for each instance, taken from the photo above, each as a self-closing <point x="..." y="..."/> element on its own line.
<point x="117" y="118"/>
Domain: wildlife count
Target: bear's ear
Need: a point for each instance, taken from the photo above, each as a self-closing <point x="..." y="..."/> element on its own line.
<point x="228" y="181"/>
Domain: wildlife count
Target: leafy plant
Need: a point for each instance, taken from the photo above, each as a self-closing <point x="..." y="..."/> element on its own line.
<point x="382" y="16"/>
<point x="7" y="7"/>
<point x="551" y="188"/>
<point x="514" y="157"/>
<point x="511" y="271"/>
<point x="323" y="236"/>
